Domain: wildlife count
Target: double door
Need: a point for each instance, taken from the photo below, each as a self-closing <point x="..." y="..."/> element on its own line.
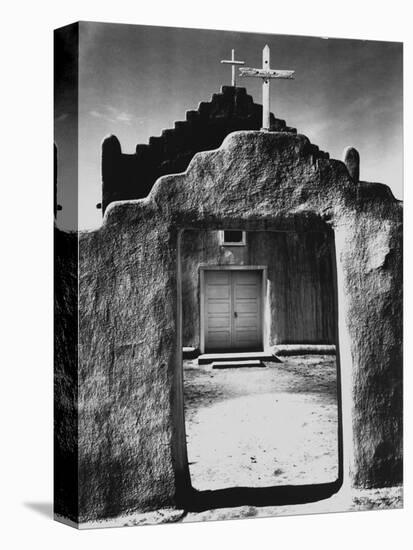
<point x="232" y="310"/>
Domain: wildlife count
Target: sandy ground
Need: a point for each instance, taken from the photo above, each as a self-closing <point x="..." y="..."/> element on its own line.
<point x="262" y="427"/>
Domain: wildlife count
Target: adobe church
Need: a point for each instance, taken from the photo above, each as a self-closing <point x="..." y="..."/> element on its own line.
<point x="289" y="261"/>
<point x="223" y="235"/>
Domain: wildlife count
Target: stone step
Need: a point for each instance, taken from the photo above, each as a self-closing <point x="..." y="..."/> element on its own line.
<point x="237" y="364"/>
<point x="189" y="353"/>
<point x="240" y="356"/>
<point x="304" y="349"/>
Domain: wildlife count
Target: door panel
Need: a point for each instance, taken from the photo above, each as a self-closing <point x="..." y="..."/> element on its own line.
<point x="233" y="310"/>
<point x="217" y="309"/>
<point x="246" y="309"/>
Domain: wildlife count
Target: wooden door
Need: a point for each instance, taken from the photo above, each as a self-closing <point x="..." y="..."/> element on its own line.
<point x="246" y="310"/>
<point x="232" y="310"/>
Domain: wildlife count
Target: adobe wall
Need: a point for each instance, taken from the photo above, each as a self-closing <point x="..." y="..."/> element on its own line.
<point x="299" y="278"/>
<point x="132" y="451"/>
<point x="65" y="415"/>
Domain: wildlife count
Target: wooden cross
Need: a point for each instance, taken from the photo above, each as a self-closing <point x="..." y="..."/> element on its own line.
<point x="266" y="73"/>
<point x="233" y="63"/>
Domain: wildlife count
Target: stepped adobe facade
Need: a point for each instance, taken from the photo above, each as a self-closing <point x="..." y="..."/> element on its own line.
<point x="127" y="177"/>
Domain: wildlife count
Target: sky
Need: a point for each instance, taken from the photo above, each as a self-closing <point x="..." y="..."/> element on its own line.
<point x="135" y="81"/>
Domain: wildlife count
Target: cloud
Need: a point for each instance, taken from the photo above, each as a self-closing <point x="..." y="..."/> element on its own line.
<point x="124" y="117"/>
<point x="96" y="114"/>
<point x="112" y="114"/>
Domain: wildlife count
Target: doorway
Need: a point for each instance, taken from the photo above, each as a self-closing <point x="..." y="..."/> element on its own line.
<point x="231" y="309"/>
<point x="274" y="425"/>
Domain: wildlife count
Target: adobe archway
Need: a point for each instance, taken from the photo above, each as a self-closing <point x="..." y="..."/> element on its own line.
<point x="131" y="441"/>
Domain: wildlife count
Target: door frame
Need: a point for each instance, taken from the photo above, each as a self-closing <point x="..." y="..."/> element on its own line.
<point x="264" y="302"/>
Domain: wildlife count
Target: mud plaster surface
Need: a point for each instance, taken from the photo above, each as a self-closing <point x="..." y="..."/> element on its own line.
<point x="128" y="418"/>
<point x="261" y="427"/>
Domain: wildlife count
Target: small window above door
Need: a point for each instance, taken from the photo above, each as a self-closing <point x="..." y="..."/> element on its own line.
<point x="233" y="238"/>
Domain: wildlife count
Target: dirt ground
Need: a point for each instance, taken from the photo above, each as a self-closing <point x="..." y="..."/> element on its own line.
<point x="262" y="427"/>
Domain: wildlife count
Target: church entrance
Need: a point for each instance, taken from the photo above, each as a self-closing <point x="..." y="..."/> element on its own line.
<point x="231" y="309"/>
<point x="260" y="376"/>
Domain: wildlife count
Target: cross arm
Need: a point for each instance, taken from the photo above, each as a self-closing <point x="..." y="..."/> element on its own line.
<point x="279" y="73"/>
<point x="264" y="73"/>
<point x="232" y="62"/>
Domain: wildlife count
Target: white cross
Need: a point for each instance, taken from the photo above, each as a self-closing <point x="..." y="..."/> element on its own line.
<point x="266" y="74"/>
<point x="233" y="63"/>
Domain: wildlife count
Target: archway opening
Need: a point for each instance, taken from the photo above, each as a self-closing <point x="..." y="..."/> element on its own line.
<point x="261" y="382"/>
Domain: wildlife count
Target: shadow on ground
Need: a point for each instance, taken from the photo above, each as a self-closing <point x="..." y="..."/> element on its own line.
<point x="197" y="501"/>
<point x="45" y="509"/>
